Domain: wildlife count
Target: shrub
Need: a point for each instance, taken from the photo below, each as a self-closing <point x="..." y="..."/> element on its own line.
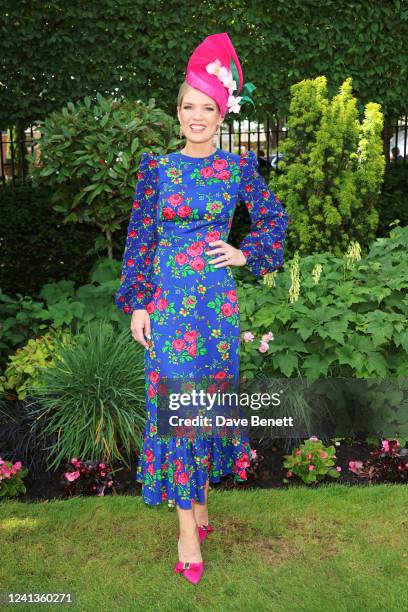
<point x="311" y="461"/>
<point x="23" y="371"/>
<point x="60" y="306"/>
<point x="328" y="316"/>
<point x="389" y="463"/>
<point x="89" y="154"/>
<point x="87" y="478"/>
<point x="333" y="169"/>
<point x="11" y="478"/>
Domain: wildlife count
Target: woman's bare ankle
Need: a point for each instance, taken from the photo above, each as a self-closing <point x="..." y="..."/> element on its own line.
<point x="201" y="514"/>
<point x="189" y="547"/>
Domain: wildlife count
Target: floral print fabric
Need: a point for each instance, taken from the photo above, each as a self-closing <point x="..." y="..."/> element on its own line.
<point x="181" y="204"/>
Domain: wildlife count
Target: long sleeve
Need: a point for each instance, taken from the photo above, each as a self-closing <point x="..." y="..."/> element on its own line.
<point x="136" y="288"/>
<point x="264" y="245"/>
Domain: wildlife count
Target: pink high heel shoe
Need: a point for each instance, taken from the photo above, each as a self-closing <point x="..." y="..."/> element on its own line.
<point x="204" y="530"/>
<point x="191" y="571"/>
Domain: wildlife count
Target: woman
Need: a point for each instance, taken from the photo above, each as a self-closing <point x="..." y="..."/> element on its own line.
<point x="178" y="286"/>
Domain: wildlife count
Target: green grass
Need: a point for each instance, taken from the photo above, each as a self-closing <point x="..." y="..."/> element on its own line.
<point x="336" y="548"/>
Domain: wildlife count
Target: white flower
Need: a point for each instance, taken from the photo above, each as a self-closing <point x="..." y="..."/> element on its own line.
<point x="225" y="76"/>
<point x="233" y="104"/>
<point x="232" y="87"/>
<point x="213" y="67"/>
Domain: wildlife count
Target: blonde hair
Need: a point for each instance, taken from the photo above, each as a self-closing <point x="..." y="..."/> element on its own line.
<point x="185" y="88"/>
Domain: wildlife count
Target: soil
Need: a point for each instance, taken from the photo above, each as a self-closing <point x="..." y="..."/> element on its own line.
<point x="269" y="473"/>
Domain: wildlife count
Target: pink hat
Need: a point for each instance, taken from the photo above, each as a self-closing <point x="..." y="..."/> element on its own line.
<point x="214" y="69"/>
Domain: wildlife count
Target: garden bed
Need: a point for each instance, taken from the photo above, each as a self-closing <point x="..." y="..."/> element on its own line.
<point x="270" y="473"/>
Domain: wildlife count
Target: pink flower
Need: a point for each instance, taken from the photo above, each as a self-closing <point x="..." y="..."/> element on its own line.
<point x="181" y="258"/>
<point x="386" y="445"/>
<point x="190" y="335"/>
<point x="192" y="350"/>
<point x="263" y="347"/>
<point x="313" y="438"/>
<point x="289" y="474"/>
<point x="220" y="164"/>
<point x="323" y="455"/>
<point x="175" y="199"/>
<point x="338" y="468"/>
<point x="168" y="213"/>
<point x="207" y="171"/>
<point x="248" y="336"/>
<point x="75" y="462"/>
<point x="268" y="337"/>
<point x="355" y="466"/>
<point x="16" y="467"/>
<point x="311" y="467"/>
<point x="197" y="264"/>
<point x="298" y="452"/>
<point x="243" y="461"/>
<point x="162" y="304"/>
<point x="195" y="249"/>
<point x="184" y="211"/>
<point x="154" y="376"/>
<point x="227" y="309"/>
<point x="182" y="478"/>
<point x="212" y="236"/>
<point x="253" y="453"/>
<point x="223" y="175"/>
<point x="71" y="476"/>
<point x="178" y="344"/>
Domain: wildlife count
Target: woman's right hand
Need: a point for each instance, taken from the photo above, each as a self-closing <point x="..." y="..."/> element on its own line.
<point x="140" y="322"/>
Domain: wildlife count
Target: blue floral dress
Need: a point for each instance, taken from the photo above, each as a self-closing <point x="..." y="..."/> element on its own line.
<point x="181" y="204"/>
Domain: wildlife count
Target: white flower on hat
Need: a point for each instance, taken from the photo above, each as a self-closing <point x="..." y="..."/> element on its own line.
<point x="226" y="78"/>
<point x="233" y="104"/>
<point x="213" y="67"/>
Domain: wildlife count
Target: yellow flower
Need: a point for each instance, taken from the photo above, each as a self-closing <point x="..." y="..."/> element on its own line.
<point x="317" y="270"/>
<point x="294" y="290"/>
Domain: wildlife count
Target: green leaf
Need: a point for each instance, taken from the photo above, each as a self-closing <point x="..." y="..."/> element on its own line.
<point x="286" y="362"/>
<point x="317" y="365"/>
<point x="347" y="356"/>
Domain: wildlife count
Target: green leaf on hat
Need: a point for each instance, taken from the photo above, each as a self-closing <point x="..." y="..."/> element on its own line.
<point x="246" y="93"/>
<point x="235" y="75"/>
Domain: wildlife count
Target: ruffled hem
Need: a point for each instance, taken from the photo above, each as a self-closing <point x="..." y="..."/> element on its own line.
<point x="175" y="470"/>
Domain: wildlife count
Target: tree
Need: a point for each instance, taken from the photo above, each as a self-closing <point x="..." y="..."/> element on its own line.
<point x="333" y="169"/>
<point x="90" y="154"/>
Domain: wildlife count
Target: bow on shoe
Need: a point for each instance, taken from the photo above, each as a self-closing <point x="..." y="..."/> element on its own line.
<point x="204" y="530"/>
<point x="191" y="571"/>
